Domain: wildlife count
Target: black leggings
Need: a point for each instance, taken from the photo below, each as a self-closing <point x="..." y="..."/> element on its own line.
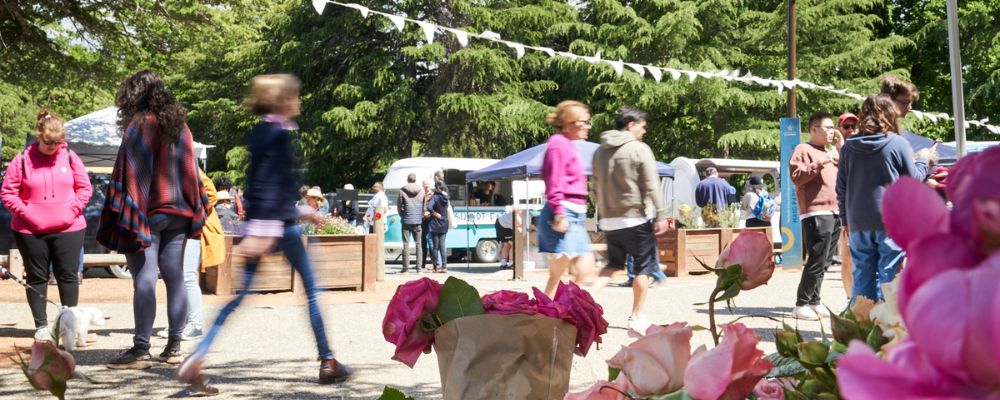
<point x="63" y="251"/>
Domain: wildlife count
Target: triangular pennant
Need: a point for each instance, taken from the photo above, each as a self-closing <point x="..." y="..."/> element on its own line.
<point x="918" y="114"/>
<point x="994" y="129"/>
<point x="428" y="29"/>
<point x="594" y="59"/>
<point x="319" y="5"/>
<point x="490" y="35"/>
<point x="461" y="36"/>
<point x="546" y="50"/>
<point x="397" y="20"/>
<point x="637" y="68"/>
<point x="519" y="48"/>
<point x="932" y="117"/>
<point x="570" y="56"/>
<point x="619" y="66"/>
<point x="674" y="74"/>
<point x="361" y="8"/>
<point x="691" y="75"/>
<point x="781" y="89"/>
<point x="655" y="72"/>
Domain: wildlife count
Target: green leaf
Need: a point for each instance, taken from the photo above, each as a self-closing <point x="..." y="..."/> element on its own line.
<point x="875" y="339"/>
<point x="389" y="393"/>
<point x="613" y="373"/>
<point x="787" y="343"/>
<point x="784" y="366"/>
<point x="458" y="299"/>
<point x="732" y="291"/>
<point x="844" y="329"/>
<point x="813" y="353"/>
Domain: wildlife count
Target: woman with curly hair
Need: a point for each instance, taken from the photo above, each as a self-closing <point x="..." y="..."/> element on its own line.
<point x="870" y="161"/>
<point x="46" y="189"/>
<point x="155" y="201"/>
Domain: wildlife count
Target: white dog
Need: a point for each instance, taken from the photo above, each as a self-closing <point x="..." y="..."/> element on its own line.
<point x="74" y="325"/>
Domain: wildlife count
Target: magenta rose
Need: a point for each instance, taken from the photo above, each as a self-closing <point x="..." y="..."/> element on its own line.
<point x="550" y="308"/>
<point x="731" y="370"/>
<point x="49" y="368"/>
<point x="975" y="177"/>
<point x="401" y="325"/>
<point x="505" y="302"/>
<point x="754" y="253"/>
<point x="655" y="363"/>
<point x="585" y="313"/>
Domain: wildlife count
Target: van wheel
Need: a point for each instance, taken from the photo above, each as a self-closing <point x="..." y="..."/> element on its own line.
<point x="120" y="271"/>
<point x="487" y="251"/>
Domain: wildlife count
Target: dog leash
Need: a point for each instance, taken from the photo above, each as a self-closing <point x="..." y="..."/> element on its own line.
<point x="5" y="273"/>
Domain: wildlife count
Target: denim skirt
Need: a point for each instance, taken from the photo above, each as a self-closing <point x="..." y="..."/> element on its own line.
<point x="573" y="242"/>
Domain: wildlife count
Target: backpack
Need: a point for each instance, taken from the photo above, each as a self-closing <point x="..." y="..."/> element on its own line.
<point x="765" y="208"/>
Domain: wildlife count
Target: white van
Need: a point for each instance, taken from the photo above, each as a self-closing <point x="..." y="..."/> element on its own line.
<point x="475" y="231"/>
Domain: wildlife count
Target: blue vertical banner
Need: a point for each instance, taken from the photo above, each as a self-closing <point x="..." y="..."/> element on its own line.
<point x="791" y="227"/>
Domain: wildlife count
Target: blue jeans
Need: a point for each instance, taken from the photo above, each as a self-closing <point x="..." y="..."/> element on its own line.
<point x="630" y="268"/>
<point x="295" y="252"/>
<point x="192" y="266"/>
<point x="875" y="257"/>
<point x="163" y="257"/>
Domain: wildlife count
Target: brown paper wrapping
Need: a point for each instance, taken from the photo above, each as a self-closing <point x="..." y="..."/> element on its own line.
<point x="514" y="356"/>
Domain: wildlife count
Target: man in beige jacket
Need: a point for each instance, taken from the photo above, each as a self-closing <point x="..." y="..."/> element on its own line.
<point x="626" y="184"/>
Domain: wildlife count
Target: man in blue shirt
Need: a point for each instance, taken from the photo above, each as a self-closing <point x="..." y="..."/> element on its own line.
<point x="713" y="190"/>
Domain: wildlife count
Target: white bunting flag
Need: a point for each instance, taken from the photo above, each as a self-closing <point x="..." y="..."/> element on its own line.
<point x="918" y="114"/>
<point x="428" y="29"/>
<point x="461" y="36"/>
<point x="398" y="21"/>
<point x="490" y="35"/>
<point x="570" y="56"/>
<point x="932" y="117"/>
<point x="637" y="68"/>
<point x="364" y="10"/>
<point x="546" y="50"/>
<point x="691" y="75"/>
<point x="619" y="66"/>
<point x="319" y="5"/>
<point x="674" y="74"/>
<point x="655" y="72"/>
<point x="518" y="48"/>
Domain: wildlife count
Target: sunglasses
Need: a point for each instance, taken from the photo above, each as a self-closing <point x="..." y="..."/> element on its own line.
<point x="51" y="142"/>
<point x="583" y="122"/>
<point x="904" y="102"/>
<point x="849" y="126"/>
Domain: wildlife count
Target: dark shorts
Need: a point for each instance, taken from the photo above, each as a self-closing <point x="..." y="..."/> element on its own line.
<point x="504" y="234"/>
<point x="637" y="241"/>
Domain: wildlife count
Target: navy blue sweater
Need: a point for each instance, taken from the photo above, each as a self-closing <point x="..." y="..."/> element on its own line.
<point x="272" y="183"/>
<point x="869" y="163"/>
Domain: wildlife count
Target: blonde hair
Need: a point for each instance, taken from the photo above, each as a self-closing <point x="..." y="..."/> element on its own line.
<point x="270" y="93"/>
<point x="49" y="125"/>
<point x="895" y="86"/>
<point x="566" y="113"/>
<point x="878" y="115"/>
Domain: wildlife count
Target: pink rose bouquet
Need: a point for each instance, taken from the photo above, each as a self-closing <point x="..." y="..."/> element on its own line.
<point x="401" y="326"/>
<point x="505" y="302"/>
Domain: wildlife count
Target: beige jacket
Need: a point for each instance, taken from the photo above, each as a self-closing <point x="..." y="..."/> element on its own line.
<point x="625" y="178"/>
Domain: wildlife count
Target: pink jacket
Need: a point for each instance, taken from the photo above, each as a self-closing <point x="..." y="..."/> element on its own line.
<point x="49" y="197"/>
<point x="563" y="174"/>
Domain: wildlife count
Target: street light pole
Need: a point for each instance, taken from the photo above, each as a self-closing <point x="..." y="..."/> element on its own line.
<point x="957" y="95"/>
<point x="791" y="57"/>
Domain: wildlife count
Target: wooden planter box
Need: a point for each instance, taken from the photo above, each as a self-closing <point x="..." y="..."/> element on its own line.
<point x="681" y="249"/>
<point x="338" y="261"/>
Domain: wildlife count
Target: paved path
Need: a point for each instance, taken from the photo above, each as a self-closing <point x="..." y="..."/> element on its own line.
<point x="267" y="349"/>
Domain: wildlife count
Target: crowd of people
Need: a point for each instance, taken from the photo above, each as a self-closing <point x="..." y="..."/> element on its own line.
<point x="169" y="218"/>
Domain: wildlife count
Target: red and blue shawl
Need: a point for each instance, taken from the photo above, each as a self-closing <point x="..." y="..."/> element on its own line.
<point x="149" y="178"/>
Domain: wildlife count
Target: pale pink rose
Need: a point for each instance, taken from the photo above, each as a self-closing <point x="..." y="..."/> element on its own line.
<point x="401" y="325"/>
<point x="505" y="302"/>
<point x="602" y="390"/>
<point x="768" y="389"/>
<point x="655" y="363"/>
<point x="754" y="252"/>
<point x="730" y="370"/>
<point x="49" y="366"/>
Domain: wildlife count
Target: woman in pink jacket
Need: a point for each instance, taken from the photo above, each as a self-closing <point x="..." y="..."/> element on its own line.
<point x="46" y="189"/>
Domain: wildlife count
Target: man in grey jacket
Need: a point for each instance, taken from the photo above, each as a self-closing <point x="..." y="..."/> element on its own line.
<point x="626" y="184"/>
<point x="411" y="212"/>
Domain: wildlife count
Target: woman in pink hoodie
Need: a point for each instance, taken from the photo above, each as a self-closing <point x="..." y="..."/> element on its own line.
<point x="46" y="189"/>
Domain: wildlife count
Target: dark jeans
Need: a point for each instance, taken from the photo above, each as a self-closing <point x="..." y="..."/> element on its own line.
<point x="164" y="256"/>
<point x="295" y="252"/>
<point x="439" y="254"/>
<point x="637" y="242"/>
<point x="418" y="240"/>
<point x="757" y="223"/>
<point x="820" y="233"/>
<point x="62" y="250"/>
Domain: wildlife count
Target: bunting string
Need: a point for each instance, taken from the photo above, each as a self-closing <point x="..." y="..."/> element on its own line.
<point x="657" y="73"/>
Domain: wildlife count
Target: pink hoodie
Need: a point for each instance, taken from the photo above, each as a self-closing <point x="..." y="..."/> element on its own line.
<point x="50" y="196"/>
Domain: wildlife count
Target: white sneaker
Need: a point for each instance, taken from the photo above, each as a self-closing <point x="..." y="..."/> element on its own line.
<point x="43" y="333"/>
<point x="639" y="324"/>
<point x="821" y="310"/>
<point x="805" y="312"/>
<point x="165" y="333"/>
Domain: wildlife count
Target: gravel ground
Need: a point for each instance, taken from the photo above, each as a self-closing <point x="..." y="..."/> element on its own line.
<point x="267" y="349"/>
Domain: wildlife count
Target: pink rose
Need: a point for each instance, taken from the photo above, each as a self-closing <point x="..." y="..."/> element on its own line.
<point x="974" y="177"/>
<point x="655" y="363"/>
<point x="585" y="313"/>
<point x="506" y="302"/>
<point x="731" y="370"/>
<point x="401" y="325"/>
<point x="767" y="389"/>
<point x="754" y="253"/>
<point x="987" y="213"/>
<point x="602" y="390"/>
<point x="49" y="367"/>
<point x="550" y="308"/>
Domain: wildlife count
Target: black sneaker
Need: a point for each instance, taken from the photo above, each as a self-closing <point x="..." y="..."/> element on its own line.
<point x="332" y="371"/>
<point x="134" y="358"/>
<point x="627" y="283"/>
<point x="172" y="353"/>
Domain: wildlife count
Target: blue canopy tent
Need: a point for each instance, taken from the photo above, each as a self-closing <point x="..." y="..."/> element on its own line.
<point x="946" y="154"/>
<point x="528" y="163"/>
